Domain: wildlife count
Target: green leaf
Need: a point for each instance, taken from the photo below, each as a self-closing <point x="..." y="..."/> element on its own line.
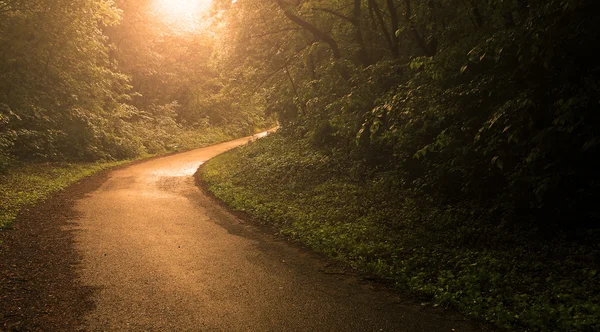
<point x="400" y="30"/>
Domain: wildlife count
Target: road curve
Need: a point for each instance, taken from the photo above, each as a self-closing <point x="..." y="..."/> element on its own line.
<point x="156" y="254"/>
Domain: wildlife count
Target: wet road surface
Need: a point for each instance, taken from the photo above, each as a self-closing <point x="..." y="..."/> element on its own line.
<point x="154" y="253"/>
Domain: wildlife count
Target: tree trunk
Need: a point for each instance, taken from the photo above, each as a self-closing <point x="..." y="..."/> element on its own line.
<point x="477" y="14"/>
<point x="386" y="33"/>
<point x="418" y="38"/>
<point x="394" y="26"/>
<point x="363" y="55"/>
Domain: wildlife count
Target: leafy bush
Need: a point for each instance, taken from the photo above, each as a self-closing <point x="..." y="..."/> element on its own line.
<point x="512" y="130"/>
<point x="64" y="97"/>
<point x="7" y="138"/>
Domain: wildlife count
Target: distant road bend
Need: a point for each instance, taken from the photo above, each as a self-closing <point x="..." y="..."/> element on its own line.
<point x="153" y="253"/>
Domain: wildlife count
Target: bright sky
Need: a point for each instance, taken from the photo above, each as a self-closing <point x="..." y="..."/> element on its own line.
<point x="183" y="14"/>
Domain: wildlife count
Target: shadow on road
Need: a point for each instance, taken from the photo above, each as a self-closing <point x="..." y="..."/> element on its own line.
<point x="39" y="288"/>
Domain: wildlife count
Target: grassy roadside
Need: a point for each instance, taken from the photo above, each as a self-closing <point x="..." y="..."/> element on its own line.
<point x="27" y="184"/>
<point x="510" y="277"/>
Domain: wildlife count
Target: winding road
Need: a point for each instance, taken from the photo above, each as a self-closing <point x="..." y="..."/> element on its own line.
<point x="141" y="248"/>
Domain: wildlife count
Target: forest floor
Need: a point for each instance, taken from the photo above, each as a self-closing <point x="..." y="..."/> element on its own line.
<point x="141" y="248"/>
<point x="511" y="275"/>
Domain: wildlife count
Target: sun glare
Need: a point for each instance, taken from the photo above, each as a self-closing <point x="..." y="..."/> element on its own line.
<point x="183" y="14"/>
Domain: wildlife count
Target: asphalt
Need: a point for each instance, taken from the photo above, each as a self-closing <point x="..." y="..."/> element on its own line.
<point x="144" y="249"/>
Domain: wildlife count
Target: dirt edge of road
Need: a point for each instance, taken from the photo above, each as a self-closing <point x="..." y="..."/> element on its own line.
<point x="39" y="288"/>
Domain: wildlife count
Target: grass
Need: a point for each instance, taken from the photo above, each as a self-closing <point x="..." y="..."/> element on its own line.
<point x="29" y="184"/>
<point x="509" y="276"/>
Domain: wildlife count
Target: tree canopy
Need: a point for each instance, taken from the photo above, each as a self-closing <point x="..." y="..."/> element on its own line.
<point x="484" y="111"/>
<point x="450" y="146"/>
<point x="489" y="101"/>
<point x="95" y="79"/>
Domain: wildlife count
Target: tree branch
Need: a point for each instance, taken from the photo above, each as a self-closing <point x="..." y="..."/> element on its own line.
<point x="287" y="71"/>
<point x="342" y="16"/>
<point x="273" y="32"/>
<point x="269" y="76"/>
<point x="310" y="28"/>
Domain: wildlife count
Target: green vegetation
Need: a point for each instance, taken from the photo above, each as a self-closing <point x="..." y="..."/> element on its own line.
<point x="88" y="85"/>
<point x="27" y="184"/>
<point x="487" y="104"/>
<point x="515" y="277"/>
<point x="105" y="81"/>
<point x="30" y="184"/>
<point x="450" y="146"/>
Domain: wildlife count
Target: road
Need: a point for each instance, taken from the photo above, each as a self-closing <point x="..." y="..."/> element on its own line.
<point x="143" y="249"/>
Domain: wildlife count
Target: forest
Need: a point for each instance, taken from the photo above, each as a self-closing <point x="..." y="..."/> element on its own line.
<point x="490" y="102"/>
<point x="450" y="147"/>
<point x="102" y="80"/>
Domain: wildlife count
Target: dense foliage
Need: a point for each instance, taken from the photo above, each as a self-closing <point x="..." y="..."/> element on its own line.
<point x="490" y="102"/>
<point x="94" y="80"/>
<point x="475" y="122"/>
<point x="469" y="125"/>
<point x="56" y="84"/>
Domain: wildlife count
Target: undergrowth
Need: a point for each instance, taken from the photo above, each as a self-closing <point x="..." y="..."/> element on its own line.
<point x="518" y="278"/>
<point x="25" y="184"/>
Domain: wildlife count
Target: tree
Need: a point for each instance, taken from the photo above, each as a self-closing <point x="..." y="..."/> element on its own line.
<point x="458" y="97"/>
<point x="55" y="78"/>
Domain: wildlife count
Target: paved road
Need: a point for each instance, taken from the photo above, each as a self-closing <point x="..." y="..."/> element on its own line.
<point x="156" y="254"/>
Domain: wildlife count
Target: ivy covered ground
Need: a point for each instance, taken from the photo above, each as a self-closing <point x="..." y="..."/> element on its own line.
<point x="518" y="278"/>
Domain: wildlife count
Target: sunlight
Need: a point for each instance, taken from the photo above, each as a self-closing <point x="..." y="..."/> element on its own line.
<point x="183" y="14"/>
